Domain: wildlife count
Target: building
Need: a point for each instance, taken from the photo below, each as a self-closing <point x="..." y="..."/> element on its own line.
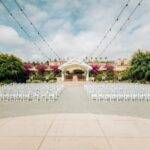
<point x="78" y="70"/>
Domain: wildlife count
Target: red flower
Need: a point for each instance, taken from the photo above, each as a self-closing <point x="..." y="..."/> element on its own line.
<point x="95" y="69"/>
<point x="27" y="71"/>
<point x="55" y="69"/>
<point x="41" y="68"/>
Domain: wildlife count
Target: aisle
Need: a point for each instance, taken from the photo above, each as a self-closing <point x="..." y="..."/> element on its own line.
<point x="73" y="99"/>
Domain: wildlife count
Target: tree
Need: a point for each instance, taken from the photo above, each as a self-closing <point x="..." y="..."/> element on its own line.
<point x="140" y="66"/>
<point x="147" y="76"/>
<point x="11" y="68"/>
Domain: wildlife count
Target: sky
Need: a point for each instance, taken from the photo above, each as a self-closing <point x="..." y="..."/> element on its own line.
<point x="74" y="28"/>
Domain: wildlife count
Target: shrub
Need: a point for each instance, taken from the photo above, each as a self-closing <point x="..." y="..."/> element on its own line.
<point x="55" y="70"/>
<point x="27" y="71"/>
<point x="36" y="76"/>
<point x="41" y="68"/>
<point x="49" y="77"/>
<point x="147" y="76"/>
<point x="140" y="66"/>
<point x="110" y="74"/>
<point x="95" y="70"/>
<point x="11" y="68"/>
<point x="7" y="81"/>
<point x="99" y="77"/>
<point x="125" y="75"/>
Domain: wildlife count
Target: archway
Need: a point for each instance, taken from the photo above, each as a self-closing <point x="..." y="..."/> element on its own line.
<point x="73" y="67"/>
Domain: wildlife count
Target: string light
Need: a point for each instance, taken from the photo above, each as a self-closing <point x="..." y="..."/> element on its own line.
<point x="122" y="27"/>
<point x="110" y="28"/>
<point x="22" y="28"/>
<point x="35" y="28"/>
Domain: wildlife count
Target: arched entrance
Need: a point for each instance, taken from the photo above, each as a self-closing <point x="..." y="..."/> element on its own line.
<point x="75" y="70"/>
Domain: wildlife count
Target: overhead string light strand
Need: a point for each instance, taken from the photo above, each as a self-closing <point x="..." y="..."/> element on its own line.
<point x="36" y="30"/>
<point x="122" y="27"/>
<point x="111" y="27"/>
<point x="22" y="28"/>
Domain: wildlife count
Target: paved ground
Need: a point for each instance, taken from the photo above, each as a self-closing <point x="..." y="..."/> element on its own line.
<point x="75" y="123"/>
<point x="74" y="132"/>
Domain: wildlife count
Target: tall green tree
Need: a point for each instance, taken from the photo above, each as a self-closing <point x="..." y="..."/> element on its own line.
<point x="11" y="68"/>
<point x="140" y="66"/>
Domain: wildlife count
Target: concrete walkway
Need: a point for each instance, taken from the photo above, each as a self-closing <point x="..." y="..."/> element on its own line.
<point x="74" y="132"/>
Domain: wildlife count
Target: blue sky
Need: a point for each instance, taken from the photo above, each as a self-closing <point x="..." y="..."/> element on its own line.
<point x="74" y="28"/>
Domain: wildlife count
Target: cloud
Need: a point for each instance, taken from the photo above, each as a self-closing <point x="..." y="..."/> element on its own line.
<point x="9" y="36"/>
<point x="74" y="28"/>
<point x="35" y="14"/>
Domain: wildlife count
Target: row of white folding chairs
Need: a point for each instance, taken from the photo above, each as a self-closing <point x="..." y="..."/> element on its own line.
<point x="111" y="91"/>
<point x="28" y="97"/>
<point x="120" y="97"/>
<point x="30" y="86"/>
<point x="116" y="85"/>
<point x="116" y="91"/>
<point x="50" y="96"/>
<point x="27" y="90"/>
<point x="30" y="94"/>
<point x="120" y="92"/>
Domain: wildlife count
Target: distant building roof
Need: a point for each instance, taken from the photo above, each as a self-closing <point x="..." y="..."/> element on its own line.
<point x="74" y="63"/>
